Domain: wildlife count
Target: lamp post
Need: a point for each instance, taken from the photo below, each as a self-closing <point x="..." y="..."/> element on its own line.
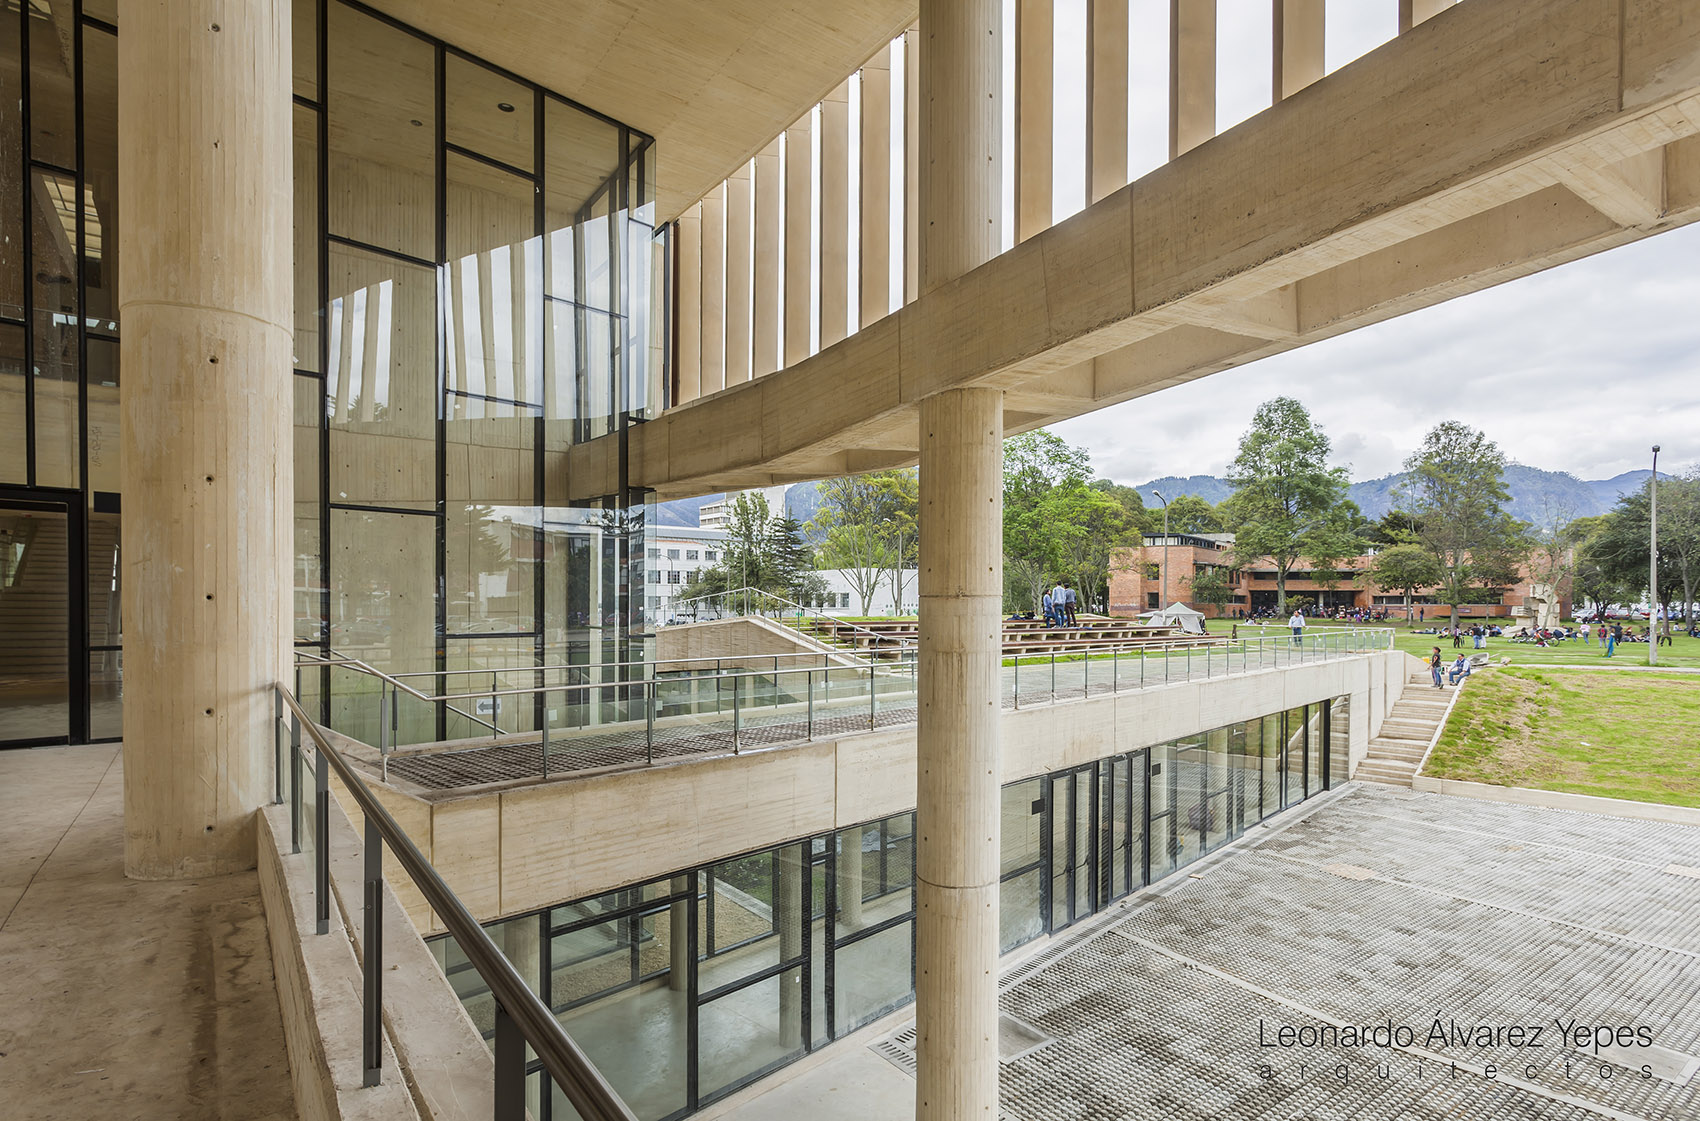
<point x="1163" y="597"/>
<point x="1653" y="569"/>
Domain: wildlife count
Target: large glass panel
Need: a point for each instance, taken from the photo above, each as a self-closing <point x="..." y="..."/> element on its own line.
<point x="106" y="579"/>
<point x="58" y="434"/>
<point x="1021" y="918"/>
<point x="309" y="307"/>
<point x="34" y="672"/>
<point x="304" y="16"/>
<point x="383" y="607"/>
<point x="382" y="134"/>
<point x="1166" y="841"/>
<point x="100" y="180"/>
<point x="872" y="976"/>
<point x="308" y="579"/>
<point x="1021" y="811"/>
<point x="1339" y="739"/>
<point x="53" y="81"/>
<point x="1273" y="746"/>
<point x="488" y="113"/>
<point x="1216" y="808"/>
<point x="11" y="184"/>
<point x="14" y="450"/>
<point x="1298" y="747"/>
<point x="493" y="289"/>
<point x="510" y="714"/>
<point x="1190" y="806"/>
<point x="748" y="1032"/>
<point x="104" y="468"/>
<point x="106" y="694"/>
<point x="381" y="387"/>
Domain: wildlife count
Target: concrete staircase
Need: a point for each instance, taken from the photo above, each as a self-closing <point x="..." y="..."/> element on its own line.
<point x="1398" y="750"/>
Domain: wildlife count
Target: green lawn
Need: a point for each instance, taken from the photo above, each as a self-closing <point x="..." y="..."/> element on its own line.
<point x="1613" y="735"/>
<point x="1684" y="652"/>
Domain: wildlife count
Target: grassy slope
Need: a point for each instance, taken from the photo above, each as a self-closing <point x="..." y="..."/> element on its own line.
<point x="1613" y="735"/>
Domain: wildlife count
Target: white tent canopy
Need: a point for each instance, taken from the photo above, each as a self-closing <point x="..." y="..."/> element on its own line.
<point x="1177" y="615"/>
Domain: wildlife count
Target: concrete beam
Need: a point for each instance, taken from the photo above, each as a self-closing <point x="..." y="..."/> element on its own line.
<point x="1347" y="193"/>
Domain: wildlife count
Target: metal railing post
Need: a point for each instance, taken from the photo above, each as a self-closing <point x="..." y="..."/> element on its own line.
<point x="736" y="729"/>
<point x="872" y="709"/>
<point x="495" y="705"/>
<point x="776" y="681"/>
<point x="294" y="782"/>
<point x="546" y="731"/>
<point x="649" y="720"/>
<point x="1053" y="677"/>
<point x="321" y="840"/>
<point x="372" y="1014"/>
<point x="383" y="751"/>
<point x="510" y="1068"/>
<point x="1017" y="689"/>
<point x="1086" y="674"/>
<point x="277" y="752"/>
<point x="809" y="685"/>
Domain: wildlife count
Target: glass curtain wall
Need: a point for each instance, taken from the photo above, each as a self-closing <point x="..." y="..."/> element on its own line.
<point x="476" y="291"/>
<point x="60" y="664"/>
<point x="685" y="989"/>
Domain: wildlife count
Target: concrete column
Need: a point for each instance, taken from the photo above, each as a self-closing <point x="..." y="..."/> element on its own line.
<point x="690" y="304"/>
<point x="679" y="934"/>
<point x="1192" y="74"/>
<point x="205" y="169"/>
<point x="958" y="744"/>
<point x="1298" y="41"/>
<point x="1106" y="97"/>
<point x="522" y="943"/>
<point x="1413" y="12"/>
<point x="792" y="919"/>
<point x="799" y="238"/>
<point x="1035" y="54"/>
<point x="714" y="290"/>
<point x="911" y="164"/>
<point x="835" y="216"/>
<point x="739" y="264"/>
<point x="850" y="878"/>
<point x="770" y="208"/>
<point x="875" y="302"/>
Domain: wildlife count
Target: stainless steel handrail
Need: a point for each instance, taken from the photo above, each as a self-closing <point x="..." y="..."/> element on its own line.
<point x="746" y="592"/>
<point x="521" y="1017"/>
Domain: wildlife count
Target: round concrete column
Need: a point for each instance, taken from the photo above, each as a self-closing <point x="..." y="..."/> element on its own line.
<point x="204" y="155"/>
<point x="958" y="752"/>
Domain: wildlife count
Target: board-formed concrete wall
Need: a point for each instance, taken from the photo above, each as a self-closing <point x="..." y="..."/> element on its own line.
<point x="516" y="850"/>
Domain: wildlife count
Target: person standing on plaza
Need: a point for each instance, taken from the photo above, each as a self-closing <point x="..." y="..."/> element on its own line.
<point x="1297" y="622"/>
<point x="1587" y="632"/>
<point x="1434" y="668"/>
<point x="1612" y="637"/>
<point x="1047" y="606"/>
<point x="1059" y="603"/>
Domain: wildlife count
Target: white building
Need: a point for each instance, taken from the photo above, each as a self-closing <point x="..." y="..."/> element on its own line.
<point x="844" y="599"/>
<point x="718" y="514"/>
<point x="675" y="565"/>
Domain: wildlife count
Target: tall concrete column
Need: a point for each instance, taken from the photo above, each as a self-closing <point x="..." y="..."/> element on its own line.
<point x="690" y="304"/>
<point x="850" y="861"/>
<point x="740" y="264"/>
<point x="1035" y="78"/>
<point x="1106" y="97"/>
<point x="958" y="744"/>
<point x="911" y="164"/>
<point x="1192" y="74"/>
<point x="875" y="240"/>
<point x="791" y="918"/>
<point x="799" y="239"/>
<point x="205" y="172"/>
<point x="1298" y="43"/>
<point x="770" y="209"/>
<point x="522" y="945"/>
<point x="712" y="353"/>
<point x="835" y="216"/>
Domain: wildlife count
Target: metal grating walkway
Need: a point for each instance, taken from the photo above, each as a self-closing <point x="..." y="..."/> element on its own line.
<point x="1377" y="906"/>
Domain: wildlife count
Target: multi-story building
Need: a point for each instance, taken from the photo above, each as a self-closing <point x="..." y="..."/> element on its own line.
<point x="1140" y="582"/>
<point x="676" y="560"/>
<point x="344" y="347"/>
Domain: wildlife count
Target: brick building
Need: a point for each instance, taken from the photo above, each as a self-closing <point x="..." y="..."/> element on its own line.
<point x="1137" y="583"/>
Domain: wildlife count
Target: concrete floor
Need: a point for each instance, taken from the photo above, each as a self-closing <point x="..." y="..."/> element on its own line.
<point x="118" y="998"/>
<point x="1366" y="907"/>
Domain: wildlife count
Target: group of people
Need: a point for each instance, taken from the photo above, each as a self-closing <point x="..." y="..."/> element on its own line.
<point x="1059" y="605"/>
<point x="1444" y="675"/>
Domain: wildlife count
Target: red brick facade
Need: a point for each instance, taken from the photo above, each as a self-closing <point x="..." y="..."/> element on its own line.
<point x="1136" y="585"/>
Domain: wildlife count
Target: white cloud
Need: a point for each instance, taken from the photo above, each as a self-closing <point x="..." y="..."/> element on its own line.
<point x="1581" y="368"/>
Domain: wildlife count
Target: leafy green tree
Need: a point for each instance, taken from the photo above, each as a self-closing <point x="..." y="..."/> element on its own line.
<point x="1191" y="514"/>
<point x="1405" y="568"/>
<point x="867" y="526"/>
<point x="1085" y="526"/>
<point x="1143" y="519"/>
<point x="1288" y="503"/>
<point x="1619" y="546"/>
<point x="1595" y="580"/>
<point x="1211" y="586"/>
<point x="1456" y="487"/>
<point x="1034" y="465"/>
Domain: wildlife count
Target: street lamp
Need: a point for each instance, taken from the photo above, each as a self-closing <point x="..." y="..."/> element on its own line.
<point x="1163" y="597"/>
<point x="1653" y="569"/>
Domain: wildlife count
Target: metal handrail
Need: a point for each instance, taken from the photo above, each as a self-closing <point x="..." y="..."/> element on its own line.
<point x="521" y="1016"/>
<point x="746" y="591"/>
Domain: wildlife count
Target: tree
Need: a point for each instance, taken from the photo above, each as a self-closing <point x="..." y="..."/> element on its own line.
<point x="1618" y="549"/>
<point x="1405" y="568"/>
<point x="1211" y="586"/>
<point x="1086" y="525"/>
<point x="867" y="528"/>
<point x="1143" y="519"/>
<point x="1191" y="514"/>
<point x="1034" y="464"/>
<point x="1287" y="502"/>
<point x="762" y="552"/>
<point x="1456" y="487"/>
<point x="1594" y="580"/>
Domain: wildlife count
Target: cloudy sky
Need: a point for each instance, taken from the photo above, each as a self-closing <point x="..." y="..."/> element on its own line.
<point x="1582" y="368"/>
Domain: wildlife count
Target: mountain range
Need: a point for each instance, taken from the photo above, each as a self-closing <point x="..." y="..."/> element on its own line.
<point x="1536" y="496"/>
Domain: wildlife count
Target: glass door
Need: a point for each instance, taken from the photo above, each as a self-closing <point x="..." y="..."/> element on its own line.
<point x="1072" y="856"/>
<point x="43" y="696"/>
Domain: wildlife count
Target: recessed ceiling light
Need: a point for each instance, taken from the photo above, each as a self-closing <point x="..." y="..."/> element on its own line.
<point x="504" y="107"/>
